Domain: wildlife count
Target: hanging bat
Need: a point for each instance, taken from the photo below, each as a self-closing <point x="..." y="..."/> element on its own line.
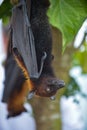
<point x="31" y="45"/>
<point x="16" y="87"/>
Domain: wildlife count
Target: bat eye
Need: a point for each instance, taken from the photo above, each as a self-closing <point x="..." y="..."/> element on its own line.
<point x="48" y="89"/>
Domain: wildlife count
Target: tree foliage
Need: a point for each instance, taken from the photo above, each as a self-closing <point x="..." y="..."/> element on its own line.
<point x="5" y="9"/>
<point x="66" y="15"/>
<point x="80" y="58"/>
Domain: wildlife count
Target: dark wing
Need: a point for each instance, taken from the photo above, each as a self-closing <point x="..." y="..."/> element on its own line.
<point x="23" y="40"/>
<point x="14" y="78"/>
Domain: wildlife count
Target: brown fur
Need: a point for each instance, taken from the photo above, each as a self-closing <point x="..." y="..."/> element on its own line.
<point x="17" y="99"/>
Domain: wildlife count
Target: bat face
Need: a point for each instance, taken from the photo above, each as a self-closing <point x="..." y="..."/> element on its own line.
<point x="48" y="87"/>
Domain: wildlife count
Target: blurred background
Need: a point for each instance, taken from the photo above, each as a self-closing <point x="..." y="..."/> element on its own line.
<point x="69" y="110"/>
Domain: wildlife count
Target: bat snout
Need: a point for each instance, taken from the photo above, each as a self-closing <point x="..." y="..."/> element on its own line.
<point x="61" y="84"/>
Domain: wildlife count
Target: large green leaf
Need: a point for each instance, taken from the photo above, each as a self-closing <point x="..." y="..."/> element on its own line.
<point x="5" y="9"/>
<point x="68" y="16"/>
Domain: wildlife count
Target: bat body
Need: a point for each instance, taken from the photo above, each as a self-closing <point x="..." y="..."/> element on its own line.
<point x="31" y="44"/>
<point x="15" y="87"/>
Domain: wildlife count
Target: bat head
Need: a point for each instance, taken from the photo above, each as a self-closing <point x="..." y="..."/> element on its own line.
<point x="48" y="87"/>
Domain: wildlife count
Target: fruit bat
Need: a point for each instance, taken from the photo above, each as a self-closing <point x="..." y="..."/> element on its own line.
<point x="23" y="47"/>
<point x="15" y="87"/>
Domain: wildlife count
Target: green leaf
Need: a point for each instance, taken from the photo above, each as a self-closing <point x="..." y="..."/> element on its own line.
<point x="5" y="9"/>
<point x="72" y="88"/>
<point x="80" y="59"/>
<point x="68" y="16"/>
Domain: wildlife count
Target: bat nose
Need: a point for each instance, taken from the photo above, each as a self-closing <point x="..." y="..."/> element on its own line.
<point x="61" y="84"/>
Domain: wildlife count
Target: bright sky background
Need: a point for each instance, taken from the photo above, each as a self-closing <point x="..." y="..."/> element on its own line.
<point x="1" y="33"/>
<point x="1" y="1"/>
<point x="1" y="40"/>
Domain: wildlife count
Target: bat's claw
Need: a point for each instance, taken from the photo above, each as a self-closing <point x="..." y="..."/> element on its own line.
<point x="52" y="98"/>
<point x="31" y="94"/>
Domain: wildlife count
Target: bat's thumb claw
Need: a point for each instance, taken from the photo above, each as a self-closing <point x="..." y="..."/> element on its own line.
<point x="31" y="94"/>
<point x="52" y="98"/>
